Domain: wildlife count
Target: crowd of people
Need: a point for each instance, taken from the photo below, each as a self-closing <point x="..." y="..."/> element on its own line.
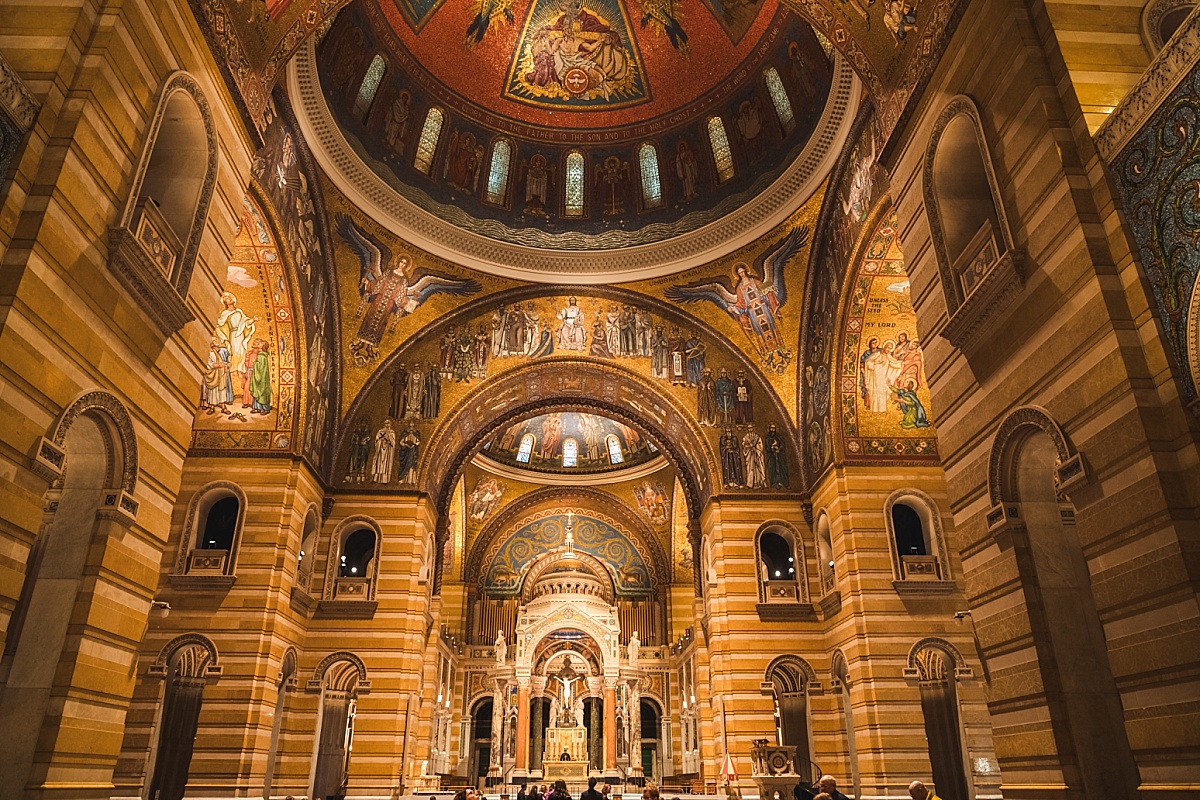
<point x="824" y="789"/>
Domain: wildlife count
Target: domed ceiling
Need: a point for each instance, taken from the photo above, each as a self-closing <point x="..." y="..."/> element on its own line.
<point x="568" y="125"/>
<point x="570" y="442"/>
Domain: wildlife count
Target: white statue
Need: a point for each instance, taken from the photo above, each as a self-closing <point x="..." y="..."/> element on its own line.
<point x="501" y="648"/>
<point x="634" y="647"/>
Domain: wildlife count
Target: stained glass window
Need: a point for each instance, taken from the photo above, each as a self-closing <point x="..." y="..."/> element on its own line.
<point x="497" y="184"/>
<point x="720" y="149"/>
<point x="370" y="86"/>
<point x="615" y="456"/>
<point x="427" y="146"/>
<point x="526" y="448"/>
<point x="570" y="452"/>
<point x="779" y="96"/>
<point x="573" y="199"/>
<point x="651" y="188"/>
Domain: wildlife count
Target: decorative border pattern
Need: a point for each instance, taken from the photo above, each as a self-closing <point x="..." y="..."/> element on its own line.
<point x="16" y="101"/>
<point x="1169" y="67"/>
<point x="1152" y="17"/>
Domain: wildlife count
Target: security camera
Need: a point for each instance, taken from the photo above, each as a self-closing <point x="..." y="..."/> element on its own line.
<point x="161" y="607"/>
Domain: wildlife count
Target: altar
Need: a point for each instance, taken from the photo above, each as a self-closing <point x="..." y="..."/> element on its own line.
<point x="572" y="741"/>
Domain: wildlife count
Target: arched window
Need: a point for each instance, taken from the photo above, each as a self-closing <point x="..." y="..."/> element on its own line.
<point x="497" y="182"/>
<point x="357" y="553"/>
<point x="615" y="454"/>
<point x="971" y="237"/>
<point x="308" y="550"/>
<point x="915" y="535"/>
<point x="221" y="525"/>
<point x="209" y="541"/>
<point x="648" y="166"/>
<point x="153" y="246"/>
<point x="779" y="97"/>
<point x="570" y="452"/>
<point x="431" y="132"/>
<point x="777" y="560"/>
<point x="722" y="155"/>
<point x="573" y="185"/>
<point x="352" y="571"/>
<point x="526" y="448"/>
<point x="826" y="565"/>
<point x="908" y="530"/>
<point x="781" y="571"/>
<point x="369" y="88"/>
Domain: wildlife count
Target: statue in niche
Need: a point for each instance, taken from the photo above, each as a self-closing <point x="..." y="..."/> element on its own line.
<point x="501" y="649"/>
<point x="635" y="647"/>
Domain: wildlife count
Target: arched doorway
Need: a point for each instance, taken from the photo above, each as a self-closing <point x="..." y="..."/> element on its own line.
<point x="789" y="676"/>
<point x="651" y="752"/>
<point x="479" y="758"/>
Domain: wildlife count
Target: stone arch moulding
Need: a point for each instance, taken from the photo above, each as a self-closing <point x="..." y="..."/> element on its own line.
<point x="972" y="315"/>
<point x="1154" y="13"/>
<point x="211" y="666"/>
<point x="318" y="677"/>
<point x="546" y="386"/>
<point x="780" y="664"/>
<point x="839" y="669"/>
<point x="912" y="670"/>
<point x="50" y="456"/>
<point x="289" y="665"/>
<point x="1070" y="473"/>
<point x="160" y="292"/>
<point x="187" y="537"/>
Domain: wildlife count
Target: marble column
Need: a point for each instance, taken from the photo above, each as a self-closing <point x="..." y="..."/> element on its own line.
<point x="522" y="727"/>
<point x="538" y="745"/>
<point x="495" y="762"/>
<point x="634" y="712"/>
<point x="595" y="737"/>
<point x="610" y="725"/>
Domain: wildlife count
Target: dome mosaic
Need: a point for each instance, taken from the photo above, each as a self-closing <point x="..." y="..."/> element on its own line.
<point x="570" y="442"/>
<point x="573" y="125"/>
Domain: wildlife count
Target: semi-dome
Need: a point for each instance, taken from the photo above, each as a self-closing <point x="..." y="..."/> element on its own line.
<point x="532" y="136"/>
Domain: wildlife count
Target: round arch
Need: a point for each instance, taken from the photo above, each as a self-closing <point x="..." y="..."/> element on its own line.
<point x="512" y="516"/>
<point x="1013" y="431"/>
<point x="355" y="671"/>
<point x="117" y="427"/>
<point x="790" y="673"/>
<point x="201" y="656"/>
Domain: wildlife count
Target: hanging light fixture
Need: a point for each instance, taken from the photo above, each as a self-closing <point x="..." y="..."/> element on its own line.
<point x="570" y="538"/>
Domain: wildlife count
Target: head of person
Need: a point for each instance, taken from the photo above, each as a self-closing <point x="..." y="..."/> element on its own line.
<point x="917" y="791"/>
<point x="827" y="784"/>
<point x="592" y="782"/>
<point x="461" y="794"/>
<point x="560" y="786"/>
<point x="823" y="796"/>
<point x="472" y="794"/>
<point x="650" y="792"/>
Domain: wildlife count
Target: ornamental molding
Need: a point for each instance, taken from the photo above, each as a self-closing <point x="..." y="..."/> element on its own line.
<point x="540" y="257"/>
<point x="16" y="101"/>
<point x="1172" y="64"/>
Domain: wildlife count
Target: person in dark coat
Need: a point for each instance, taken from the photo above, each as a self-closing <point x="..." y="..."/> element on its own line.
<point x="590" y="793"/>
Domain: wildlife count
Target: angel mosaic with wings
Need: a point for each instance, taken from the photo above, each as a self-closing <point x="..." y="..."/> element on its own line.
<point x="755" y="303"/>
<point x="384" y="291"/>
